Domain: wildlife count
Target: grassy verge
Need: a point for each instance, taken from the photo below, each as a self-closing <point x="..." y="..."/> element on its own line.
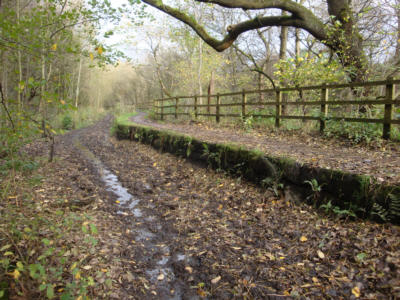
<point x="123" y="119"/>
<point x="46" y="244"/>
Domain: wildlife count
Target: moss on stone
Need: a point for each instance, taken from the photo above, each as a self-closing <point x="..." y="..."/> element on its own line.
<point x="360" y="190"/>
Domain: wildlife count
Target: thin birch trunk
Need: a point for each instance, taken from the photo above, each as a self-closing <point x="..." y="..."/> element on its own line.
<point x="19" y="58"/>
<point x="78" y="83"/>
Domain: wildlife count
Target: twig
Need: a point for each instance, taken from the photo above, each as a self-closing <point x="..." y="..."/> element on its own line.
<point x="14" y="244"/>
<point x="3" y="102"/>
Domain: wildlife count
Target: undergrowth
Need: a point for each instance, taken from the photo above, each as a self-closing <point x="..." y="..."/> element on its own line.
<point x="80" y="118"/>
<point x="44" y="246"/>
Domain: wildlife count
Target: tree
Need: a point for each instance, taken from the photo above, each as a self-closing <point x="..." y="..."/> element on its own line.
<point x="342" y="34"/>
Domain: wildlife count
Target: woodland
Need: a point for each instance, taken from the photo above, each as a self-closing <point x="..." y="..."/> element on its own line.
<point x="66" y="64"/>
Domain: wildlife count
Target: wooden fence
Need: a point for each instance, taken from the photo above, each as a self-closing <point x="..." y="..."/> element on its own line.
<point x="170" y="106"/>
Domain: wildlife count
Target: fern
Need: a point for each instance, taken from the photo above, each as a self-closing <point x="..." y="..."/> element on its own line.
<point x="379" y="211"/>
<point x="394" y="207"/>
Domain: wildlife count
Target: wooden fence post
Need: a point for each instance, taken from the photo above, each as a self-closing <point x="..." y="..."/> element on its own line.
<point x="176" y="107"/>
<point x="390" y="94"/>
<point x="324" y="108"/>
<point x="217" y="109"/>
<point x="162" y="109"/>
<point x="244" y="100"/>
<point x="278" y="112"/>
<point x="195" y="107"/>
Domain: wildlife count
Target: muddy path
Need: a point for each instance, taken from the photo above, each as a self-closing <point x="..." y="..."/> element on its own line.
<point x="144" y="227"/>
<point x="197" y="234"/>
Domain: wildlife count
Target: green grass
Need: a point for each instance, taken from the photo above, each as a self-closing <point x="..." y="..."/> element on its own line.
<point x="124" y="119"/>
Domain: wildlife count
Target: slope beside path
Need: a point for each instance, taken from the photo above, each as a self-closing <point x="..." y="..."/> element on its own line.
<point x="382" y="163"/>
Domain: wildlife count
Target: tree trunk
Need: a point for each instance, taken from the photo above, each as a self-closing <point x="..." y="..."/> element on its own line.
<point x="78" y="82"/>
<point x="199" y="70"/>
<point x="297" y="36"/>
<point x="210" y="91"/>
<point x="282" y="56"/>
<point x="346" y="40"/>
<point x="19" y="58"/>
<point x="397" y="9"/>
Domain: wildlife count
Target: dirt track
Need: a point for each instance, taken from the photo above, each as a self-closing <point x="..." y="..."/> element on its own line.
<point x="189" y="232"/>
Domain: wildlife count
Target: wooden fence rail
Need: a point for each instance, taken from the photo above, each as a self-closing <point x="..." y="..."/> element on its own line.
<point x="388" y="100"/>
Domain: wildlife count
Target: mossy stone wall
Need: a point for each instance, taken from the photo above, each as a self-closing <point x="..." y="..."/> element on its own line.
<point x="371" y="198"/>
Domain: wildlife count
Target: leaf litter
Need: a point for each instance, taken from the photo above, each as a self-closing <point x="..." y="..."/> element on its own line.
<point x="223" y="238"/>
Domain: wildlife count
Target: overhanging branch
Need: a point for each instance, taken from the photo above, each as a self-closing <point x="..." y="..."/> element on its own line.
<point x="300" y="18"/>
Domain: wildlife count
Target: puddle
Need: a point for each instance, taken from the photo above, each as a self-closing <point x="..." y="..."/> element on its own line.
<point x="113" y="185"/>
<point x="163" y="261"/>
<point x="137" y="213"/>
<point x="123" y="196"/>
<point x="164" y="284"/>
<point x="144" y="235"/>
<point x="180" y="257"/>
<point x="167" y="272"/>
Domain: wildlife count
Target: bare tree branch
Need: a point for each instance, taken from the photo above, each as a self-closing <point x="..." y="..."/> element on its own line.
<point x="300" y="18"/>
<point x="3" y="102"/>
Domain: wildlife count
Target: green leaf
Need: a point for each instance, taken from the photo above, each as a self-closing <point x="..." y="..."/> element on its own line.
<point x="361" y="256"/>
<point x="50" y="292"/>
<point x="93" y="229"/>
<point x="42" y="287"/>
<point x="90" y="281"/>
<point x="66" y="296"/>
<point x="20" y="266"/>
<point x="5" y="247"/>
<point x="46" y="242"/>
<point x="108" y="282"/>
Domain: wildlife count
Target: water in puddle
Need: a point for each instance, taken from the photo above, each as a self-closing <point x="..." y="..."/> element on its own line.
<point x="163" y="261"/>
<point x="180" y="257"/>
<point x="123" y="196"/>
<point x="125" y="199"/>
<point x="144" y="235"/>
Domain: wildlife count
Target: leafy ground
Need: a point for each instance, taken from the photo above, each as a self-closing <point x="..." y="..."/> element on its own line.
<point x="381" y="160"/>
<point x="199" y="234"/>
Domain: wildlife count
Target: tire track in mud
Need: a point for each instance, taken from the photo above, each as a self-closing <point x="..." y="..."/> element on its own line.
<point x="145" y="226"/>
<point x="200" y="233"/>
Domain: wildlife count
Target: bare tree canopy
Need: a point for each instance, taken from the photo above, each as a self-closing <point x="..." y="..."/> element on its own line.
<point x="342" y="36"/>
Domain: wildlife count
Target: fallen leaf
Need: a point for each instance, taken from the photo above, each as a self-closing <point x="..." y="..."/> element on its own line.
<point x="16" y="274"/>
<point x="303" y="239"/>
<point x="321" y="254"/>
<point x="189" y="269"/>
<point x="201" y="293"/>
<point x="161" y="277"/>
<point x="216" y="280"/>
<point x="356" y="292"/>
<point x="78" y="276"/>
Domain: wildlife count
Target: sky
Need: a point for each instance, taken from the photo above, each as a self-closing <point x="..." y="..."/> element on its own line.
<point x="129" y="38"/>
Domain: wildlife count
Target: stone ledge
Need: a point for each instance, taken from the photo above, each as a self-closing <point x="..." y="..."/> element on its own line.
<point x="371" y="199"/>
